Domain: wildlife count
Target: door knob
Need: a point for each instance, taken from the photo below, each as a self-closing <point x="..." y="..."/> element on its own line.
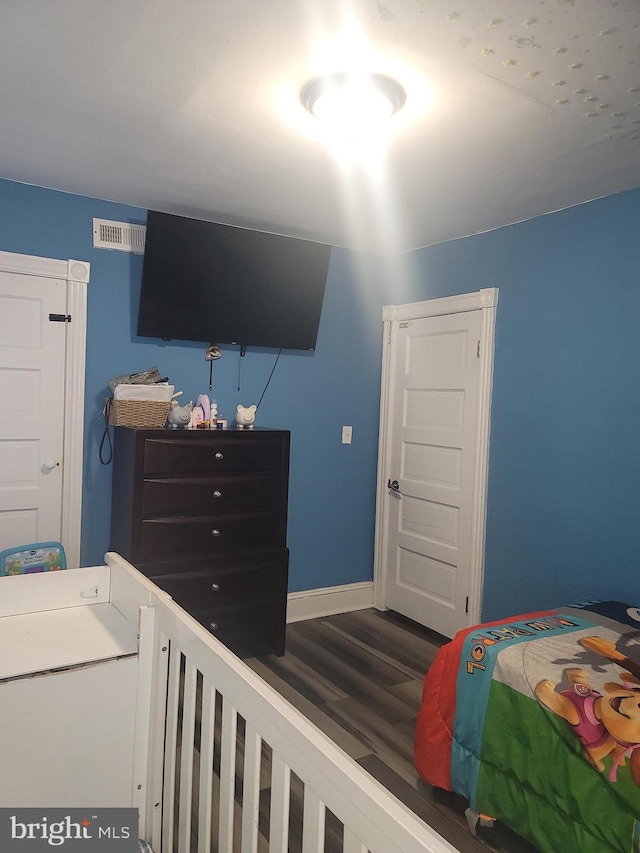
<point x="50" y="464"/>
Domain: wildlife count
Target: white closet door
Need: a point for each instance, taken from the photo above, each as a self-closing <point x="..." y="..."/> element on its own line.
<point x="32" y="394"/>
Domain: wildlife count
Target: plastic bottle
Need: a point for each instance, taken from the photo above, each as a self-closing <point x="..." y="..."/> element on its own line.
<point x="205" y="405"/>
<point x="214" y="414"/>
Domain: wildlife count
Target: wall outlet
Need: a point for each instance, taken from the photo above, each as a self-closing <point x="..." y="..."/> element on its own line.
<point x="346" y="434"/>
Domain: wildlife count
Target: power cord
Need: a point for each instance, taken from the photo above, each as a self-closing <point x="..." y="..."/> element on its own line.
<point x="269" y="379"/>
<point x="106" y="436"/>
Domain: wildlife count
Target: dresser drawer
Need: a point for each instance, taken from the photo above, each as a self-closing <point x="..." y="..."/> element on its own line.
<point x="221" y="588"/>
<point x="215" y="534"/>
<point x="274" y="562"/>
<point x="241" y="627"/>
<point x="212" y="454"/>
<point x="206" y="495"/>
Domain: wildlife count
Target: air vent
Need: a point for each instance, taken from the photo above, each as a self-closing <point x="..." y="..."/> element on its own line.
<point x="119" y="235"/>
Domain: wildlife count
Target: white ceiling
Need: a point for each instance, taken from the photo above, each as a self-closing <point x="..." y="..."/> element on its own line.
<point x="514" y="108"/>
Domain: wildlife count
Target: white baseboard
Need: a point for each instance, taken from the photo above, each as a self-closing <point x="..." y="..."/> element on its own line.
<point x="313" y="603"/>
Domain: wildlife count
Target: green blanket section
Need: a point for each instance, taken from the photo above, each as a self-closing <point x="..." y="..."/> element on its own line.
<point x="571" y="805"/>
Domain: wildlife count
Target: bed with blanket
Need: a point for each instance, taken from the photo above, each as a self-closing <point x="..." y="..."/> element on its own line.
<point x="535" y="720"/>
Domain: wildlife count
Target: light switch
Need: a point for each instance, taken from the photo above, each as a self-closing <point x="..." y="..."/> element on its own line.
<point x="346" y="435"/>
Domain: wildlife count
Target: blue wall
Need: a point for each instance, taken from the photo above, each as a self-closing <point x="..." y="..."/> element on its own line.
<point x="564" y="467"/>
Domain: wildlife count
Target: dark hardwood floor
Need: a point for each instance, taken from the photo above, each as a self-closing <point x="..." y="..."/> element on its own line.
<point x="358" y="676"/>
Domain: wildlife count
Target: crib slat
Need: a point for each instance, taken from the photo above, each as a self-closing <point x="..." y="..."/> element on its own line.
<point x="168" y="800"/>
<point x="186" y="757"/>
<point x="142" y="760"/>
<point x="156" y="750"/>
<point x="227" y="776"/>
<point x="279" y="811"/>
<point x="207" y="739"/>
<point x="313" y="823"/>
<point x="251" y="790"/>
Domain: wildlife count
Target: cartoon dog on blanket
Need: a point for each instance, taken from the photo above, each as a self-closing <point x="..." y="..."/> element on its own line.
<point x="607" y="723"/>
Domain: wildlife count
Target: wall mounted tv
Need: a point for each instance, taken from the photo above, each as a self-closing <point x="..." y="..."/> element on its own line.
<point x="219" y="284"/>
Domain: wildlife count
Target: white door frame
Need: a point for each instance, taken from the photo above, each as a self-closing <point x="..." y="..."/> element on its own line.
<point x="76" y="275"/>
<point x="486" y="301"/>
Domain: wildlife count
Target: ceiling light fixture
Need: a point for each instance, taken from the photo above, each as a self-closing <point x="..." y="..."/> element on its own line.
<point x="353" y="98"/>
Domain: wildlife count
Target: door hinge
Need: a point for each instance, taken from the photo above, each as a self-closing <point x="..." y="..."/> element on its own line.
<point x="478" y="350"/>
<point x="389" y="334"/>
<point x="60" y="318"/>
<point x="466" y="605"/>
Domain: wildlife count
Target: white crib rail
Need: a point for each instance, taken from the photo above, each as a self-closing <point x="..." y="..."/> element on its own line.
<point x="279" y="783"/>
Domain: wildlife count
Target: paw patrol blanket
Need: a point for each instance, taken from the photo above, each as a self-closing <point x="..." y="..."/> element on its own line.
<point x="536" y="721"/>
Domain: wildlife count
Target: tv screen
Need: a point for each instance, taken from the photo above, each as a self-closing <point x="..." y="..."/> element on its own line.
<point x="202" y="281"/>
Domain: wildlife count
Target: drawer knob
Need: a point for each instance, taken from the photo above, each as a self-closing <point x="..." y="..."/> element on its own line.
<point x="219" y="455"/>
<point x="215" y="532"/>
<point x="215" y="587"/>
<point x="214" y="626"/>
<point x="217" y="494"/>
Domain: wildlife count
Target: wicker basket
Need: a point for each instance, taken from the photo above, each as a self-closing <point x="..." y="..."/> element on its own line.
<point x="138" y="413"/>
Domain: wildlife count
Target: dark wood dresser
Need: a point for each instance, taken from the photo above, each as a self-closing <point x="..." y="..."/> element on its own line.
<point x="203" y="513"/>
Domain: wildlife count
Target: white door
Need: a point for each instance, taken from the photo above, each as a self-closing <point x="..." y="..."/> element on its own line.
<point x="433" y="480"/>
<point x="32" y="395"/>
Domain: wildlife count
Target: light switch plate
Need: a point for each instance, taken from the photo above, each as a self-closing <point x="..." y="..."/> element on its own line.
<point x="346" y="435"/>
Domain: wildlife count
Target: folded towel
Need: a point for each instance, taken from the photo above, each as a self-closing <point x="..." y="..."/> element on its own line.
<point x="160" y="392"/>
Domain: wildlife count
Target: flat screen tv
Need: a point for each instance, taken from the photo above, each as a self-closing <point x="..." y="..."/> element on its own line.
<point x="203" y="281"/>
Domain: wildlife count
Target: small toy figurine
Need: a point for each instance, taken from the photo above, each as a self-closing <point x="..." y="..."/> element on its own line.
<point x="179" y="416"/>
<point x="245" y="418"/>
